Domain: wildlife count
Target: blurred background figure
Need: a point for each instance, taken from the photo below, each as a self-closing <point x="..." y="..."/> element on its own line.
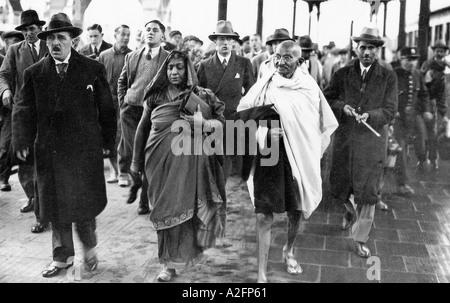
<point x="256" y="46"/>
<point x="96" y="45"/>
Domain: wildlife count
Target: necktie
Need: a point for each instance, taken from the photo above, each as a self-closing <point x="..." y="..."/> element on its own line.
<point x="224" y="64"/>
<point x="62" y="69"/>
<point x="148" y="55"/>
<point x="364" y="75"/>
<point x="96" y="51"/>
<point x="34" y="51"/>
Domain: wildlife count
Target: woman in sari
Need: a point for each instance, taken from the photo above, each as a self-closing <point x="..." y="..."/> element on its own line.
<point x="186" y="189"/>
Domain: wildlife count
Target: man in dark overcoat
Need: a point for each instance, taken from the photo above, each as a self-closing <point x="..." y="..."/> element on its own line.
<point x="361" y="92"/>
<point x="19" y="57"/>
<point x="228" y="75"/>
<point x="67" y="114"/>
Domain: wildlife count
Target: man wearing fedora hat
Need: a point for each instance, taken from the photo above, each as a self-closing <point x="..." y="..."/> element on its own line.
<point x="363" y="91"/>
<point x="19" y="57"/>
<point x="311" y="62"/>
<point x="436" y="86"/>
<point x="413" y="107"/>
<point x="228" y="75"/>
<point x="67" y="113"/>
<point x="263" y="61"/>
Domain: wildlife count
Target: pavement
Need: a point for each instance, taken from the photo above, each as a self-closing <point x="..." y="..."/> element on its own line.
<point x="410" y="242"/>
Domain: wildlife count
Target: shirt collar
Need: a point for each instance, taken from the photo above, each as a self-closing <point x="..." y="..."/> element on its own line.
<point x="364" y="68"/>
<point x="65" y="60"/>
<point x="98" y="47"/>
<point x="221" y="58"/>
<point x="155" y="50"/>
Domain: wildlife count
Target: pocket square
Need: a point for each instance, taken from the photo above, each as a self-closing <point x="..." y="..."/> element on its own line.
<point x="90" y="87"/>
<point x="237" y="76"/>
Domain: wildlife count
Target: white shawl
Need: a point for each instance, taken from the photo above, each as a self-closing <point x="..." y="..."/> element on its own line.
<point x="307" y="122"/>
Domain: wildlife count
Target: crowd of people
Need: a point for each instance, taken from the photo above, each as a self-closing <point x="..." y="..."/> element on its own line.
<point x="330" y="113"/>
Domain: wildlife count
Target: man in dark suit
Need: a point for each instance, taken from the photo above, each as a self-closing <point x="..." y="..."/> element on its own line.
<point x="113" y="59"/>
<point x="228" y="75"/>
<point x="19" y="57"/>
<point x="67" y="113"/>
<point x="96" y="45"/>
<point x="139" y="69"/>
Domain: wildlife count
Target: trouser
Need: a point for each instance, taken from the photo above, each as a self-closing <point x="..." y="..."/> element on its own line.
<point x="130" y="116"/>
<point x="426" y="138"/>
<point x="5" y="148"/>
<point x="401" y="134"/>
<point x="62" y="239"/>
<point x="361" y="229"/>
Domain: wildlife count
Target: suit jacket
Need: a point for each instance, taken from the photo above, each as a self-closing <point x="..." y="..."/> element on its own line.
<point x="18" y="58"/>
<point x="87" y="50"/>
<point x="113" y="60"/>
<point x="357" y="152"/>
<point x="69" y="121"/>
<point x="130" y="68"/>
<point x="256" y="63"/>
<point x="229" y="85"/>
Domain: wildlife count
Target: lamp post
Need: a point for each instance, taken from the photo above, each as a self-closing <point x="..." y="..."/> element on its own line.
<point x="293" y="22"/>
<point x="223" y="6"/>
<point x="385" y="2"/>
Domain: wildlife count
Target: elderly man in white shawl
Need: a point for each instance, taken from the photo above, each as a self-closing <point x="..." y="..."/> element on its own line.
<point x="300" y="123"/>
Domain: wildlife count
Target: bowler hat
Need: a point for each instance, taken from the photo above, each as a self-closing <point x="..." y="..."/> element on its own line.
<point x="280" y="34"/>
<point x="60" y="23"/>
<point x="224" y="29"/>
<point x="306" y="43"/>
<point x="439" y="44"/>
<point x="369" y="35"/>
<point x="409" y="53"/>
<point x="331" y="45"/>
<point x="28" y="18"/>
<point x="13" y="34"/>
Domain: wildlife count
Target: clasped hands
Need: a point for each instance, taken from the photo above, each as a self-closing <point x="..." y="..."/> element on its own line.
<point x="350" y="111"/>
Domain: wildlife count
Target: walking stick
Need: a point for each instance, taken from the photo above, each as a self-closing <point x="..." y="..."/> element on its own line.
<point x="367" y="125"/>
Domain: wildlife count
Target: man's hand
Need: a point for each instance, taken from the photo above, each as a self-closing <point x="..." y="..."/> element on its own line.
<point x="7" y="99"/>
<point x="106" y="152"/>
<point x="348" y="110"/>
<point x="362" y="118"/>
<point x="427" y="116"/>
<point x="275" y="134"/>
<point x="22" y="154"/>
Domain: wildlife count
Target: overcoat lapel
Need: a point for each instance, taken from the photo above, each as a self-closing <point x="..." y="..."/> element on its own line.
<point x="229" y="73"/>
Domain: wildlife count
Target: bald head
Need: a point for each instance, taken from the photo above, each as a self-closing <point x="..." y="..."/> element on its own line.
<point x="287" y="58"/>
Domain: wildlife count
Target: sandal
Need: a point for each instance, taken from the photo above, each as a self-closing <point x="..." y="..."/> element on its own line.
<point x="292" y="265"/>
<point x="166" y="275"/>
<point x="362" y="250"/>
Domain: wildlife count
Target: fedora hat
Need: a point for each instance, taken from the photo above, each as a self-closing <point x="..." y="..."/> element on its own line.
<point x="369" y="35"/>
<point x="60" y="23"/>
<point x="223" y="29"/>
<point x="280" y="34"/>
<point x="12" y="34"/>
<point x="306" y="43"/>
<point x="28" y="18"/>
<point x="439" y="44"/>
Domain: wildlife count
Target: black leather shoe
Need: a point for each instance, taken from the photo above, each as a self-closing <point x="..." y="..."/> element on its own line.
<point x="53" y="271"/>
<point x="143" y="210"/>
<point x="5" y="187"/>
<point x="132" y="196"/>
<point x="27" y="207"/>
<point x="38" y="227"/>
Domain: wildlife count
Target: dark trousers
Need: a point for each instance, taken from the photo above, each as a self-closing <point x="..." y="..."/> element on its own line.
<point x="62" y="239"/>
<point x="5" y="148"/>
<point x="401" y="133"/>
<point x="426" y="138"/>
<point x="130" y="116"/>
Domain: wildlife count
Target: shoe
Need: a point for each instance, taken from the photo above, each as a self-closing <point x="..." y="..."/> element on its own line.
<point x="53" y="270"/>
<point x="27" y="207"/>
<point x="405" y="190"/>
<point x="362" y="250"/>
<point x="166" y="274"/>
<point x="38" y="227"/>
<point x="132" y="196"/>
<point x="143" y="210"/>
<point x="434" y="167"/>
<point x="383" y="206"/>
<point x="348" y="220"/>
<point x="421" y="166"/>
<point x="293" y="267"/>
<point x="124" y="181"/>
<point x="5" y="187"/>
<point x="112" y="179"/>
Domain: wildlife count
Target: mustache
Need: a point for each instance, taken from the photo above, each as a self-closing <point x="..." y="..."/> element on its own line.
<point x="56" y="48"/>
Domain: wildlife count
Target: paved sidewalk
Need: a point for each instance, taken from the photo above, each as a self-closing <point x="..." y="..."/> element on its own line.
<point x="411" y="241"/>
